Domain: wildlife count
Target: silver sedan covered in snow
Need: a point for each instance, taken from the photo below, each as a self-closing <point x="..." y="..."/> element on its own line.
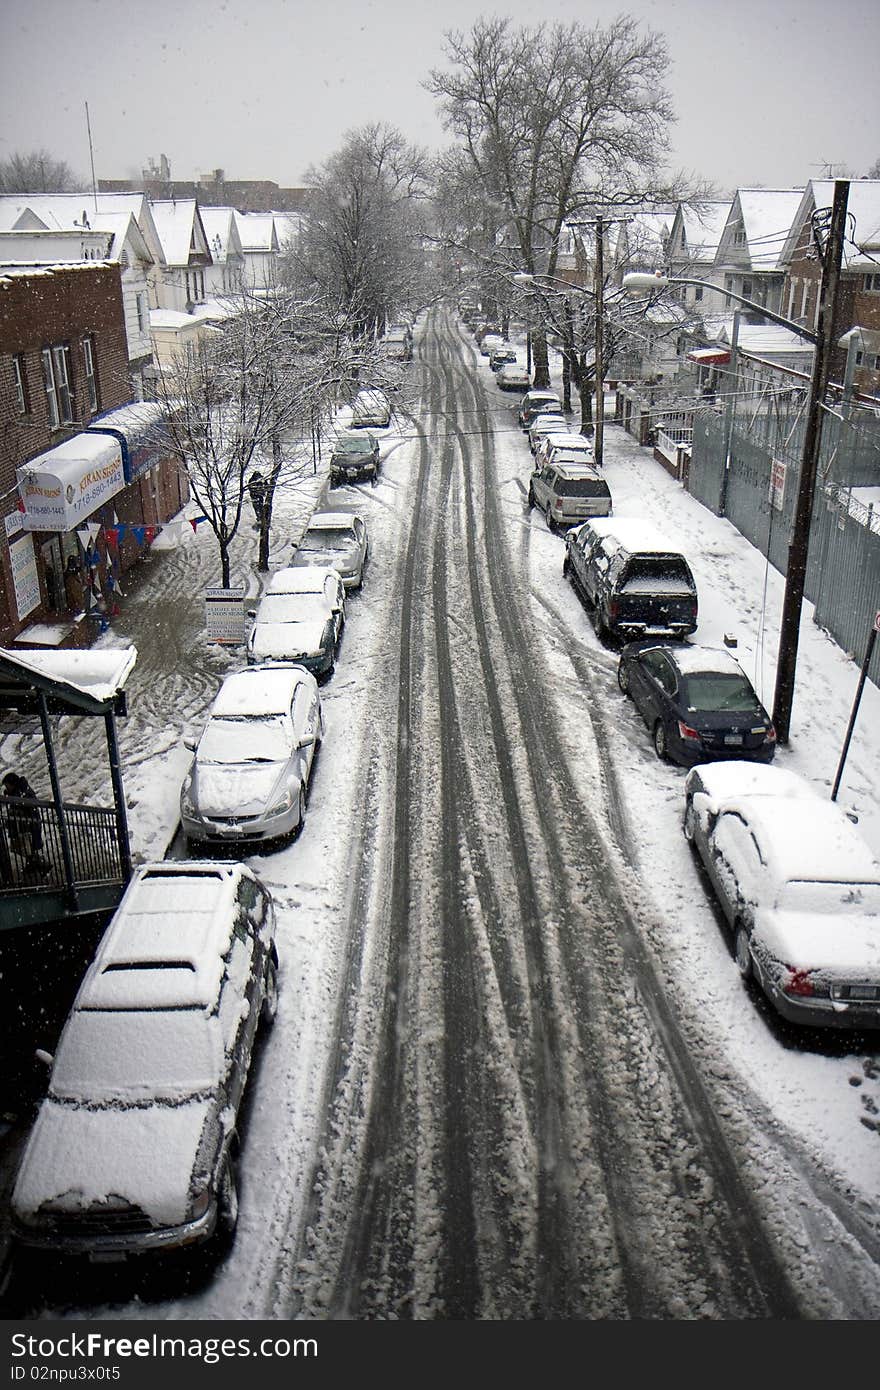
<point x="251" y="770"/>
<point x="296" y="627"/>
<point x="338" y="539"/>
<point x="798" y="886"/>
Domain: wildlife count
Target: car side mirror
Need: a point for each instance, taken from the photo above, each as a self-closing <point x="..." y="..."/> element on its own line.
<point x="43" y="1056"/>
<point x="252" y="612"/>
<point x="190" y="744"/>
<point x="306" y="741"/>
<point x="702" y="805"/>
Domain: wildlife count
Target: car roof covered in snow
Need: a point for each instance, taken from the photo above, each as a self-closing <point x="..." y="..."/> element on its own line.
<point x="721" y="781"/>
<point x="331" y="521"/>
<point x="633" y="534"/>
<point x="305" y="579"/>
<point x="800" y="838"/>
<point x="164" y="948"/>
<point x="258" y="690"/>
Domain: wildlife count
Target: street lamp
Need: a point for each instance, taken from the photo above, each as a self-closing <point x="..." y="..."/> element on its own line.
<point x="823" y="338"/>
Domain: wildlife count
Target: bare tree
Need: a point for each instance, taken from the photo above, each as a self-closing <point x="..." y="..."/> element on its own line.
<point x="364" y="224"/>
<point x="551" y="119"/>
<point x="37" y="172"/>
<point x="245" y="397"/>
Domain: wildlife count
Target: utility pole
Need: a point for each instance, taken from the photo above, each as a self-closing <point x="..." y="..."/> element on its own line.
<point x="599" y="435"/>
<point x="832" y="256"/>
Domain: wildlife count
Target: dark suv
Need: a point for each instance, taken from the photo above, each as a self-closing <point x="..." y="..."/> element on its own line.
<point x="637" y="584"/>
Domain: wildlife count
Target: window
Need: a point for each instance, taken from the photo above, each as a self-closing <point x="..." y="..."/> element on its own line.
<point x="19" y="377"/>
<point x="195" y="286"/>
<point x="141" y="309"/>
<point x="698" y="293"/>
<point x="56" y="379"/>
<point x="746" y="289"/>
<point x="89" y="372"/>
<point x="871" y="283"/>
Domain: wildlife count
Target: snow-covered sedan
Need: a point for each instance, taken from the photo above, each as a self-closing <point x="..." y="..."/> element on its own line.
<point x="295" y="627"/>
<point x="798" y="886"/>
<point x="133" y="1146"/>
<point x="513" y="376"/>
<point x="311" y="579"/>
<point x="252" y="765"/>
<point x="337" y="539"/>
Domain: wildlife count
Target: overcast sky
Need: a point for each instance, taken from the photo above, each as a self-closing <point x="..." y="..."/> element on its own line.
<point x="765" y="91"/>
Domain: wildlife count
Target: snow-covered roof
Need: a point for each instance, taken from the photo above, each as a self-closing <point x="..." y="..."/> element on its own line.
<point x="97" y="674"/>
<point x="221" y="230"/>
<point x="760" y="338"/>
<point x="634" y="534"/>
<point x="258" y="691"/>
<point x="179" y="226"/>
<point x="862" y="237"/>
<point x="288" y="226"/>
<point x="257" y="231"/>
<point x="766" y="216"/>
<point x="111" y="212"/>
<point x="702" y="226"/>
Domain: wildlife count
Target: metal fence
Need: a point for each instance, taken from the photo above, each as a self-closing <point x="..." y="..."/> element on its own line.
<point x="31" y="852"/>
<point x="757" y="493"/>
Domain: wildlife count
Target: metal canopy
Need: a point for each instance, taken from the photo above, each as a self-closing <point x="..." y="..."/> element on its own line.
<point x="71" y="682"/>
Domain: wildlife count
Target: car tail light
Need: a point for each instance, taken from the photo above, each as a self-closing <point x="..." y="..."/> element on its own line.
<point x="685" y="731"/>
<point x="797" y="982"/>
<point x="770" y="733"/>
<point x="614" y="609"/>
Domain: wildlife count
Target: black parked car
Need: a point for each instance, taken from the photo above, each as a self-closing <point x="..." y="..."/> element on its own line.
<point x="354" y="456"/>
<point x="697" y="701"/>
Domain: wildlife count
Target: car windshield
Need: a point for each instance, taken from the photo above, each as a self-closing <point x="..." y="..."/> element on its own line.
<point x="247" y="739"/>
<point x="354" y="444"/>
<point x="722" y="692"/>
<point x="328" y="538"/>
<point x="836" y="899"/>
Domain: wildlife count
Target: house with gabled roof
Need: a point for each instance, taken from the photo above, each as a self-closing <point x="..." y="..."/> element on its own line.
<point x="749" y="255"/>
<point x="186" y="254"/>
<point x="691" y="250"/>
<point x="259" y="243"/>
<point x="52" y="228"/>
<point x="858" y="300"/>
<point x="226" y="272"/>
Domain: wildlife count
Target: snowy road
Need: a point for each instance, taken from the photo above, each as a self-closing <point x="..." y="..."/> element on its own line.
<point x="486" y="1095"/>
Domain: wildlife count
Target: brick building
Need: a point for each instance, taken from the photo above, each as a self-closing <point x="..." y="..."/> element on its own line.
<point x="66" y="480"/>
<point x="213" y="190"/>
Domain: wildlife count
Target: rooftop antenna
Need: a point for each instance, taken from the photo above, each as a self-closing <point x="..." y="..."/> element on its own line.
<point x="92" y="158"/>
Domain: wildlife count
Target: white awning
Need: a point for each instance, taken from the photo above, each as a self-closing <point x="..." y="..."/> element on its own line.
<point x="63" y="487"/>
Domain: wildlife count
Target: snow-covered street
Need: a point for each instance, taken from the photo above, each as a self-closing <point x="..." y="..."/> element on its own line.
<point x="693" y="1156"/>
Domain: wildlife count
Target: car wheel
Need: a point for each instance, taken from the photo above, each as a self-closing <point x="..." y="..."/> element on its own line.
<point x="551" y="525"/>
<point x="531" y="498"/>
<point x="660" y="747"/>
<point x="742" y="953"/>
<point x="269" y="1006"/>
<point x="623" y="677"/>
<point x="690" y="819"/>
<point x="302" y="809"/>
<point x="227" y="1200"/>
<point x="566" y="565"/>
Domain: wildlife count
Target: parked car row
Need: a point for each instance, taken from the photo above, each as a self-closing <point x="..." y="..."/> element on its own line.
<point x="134" y="1146"/>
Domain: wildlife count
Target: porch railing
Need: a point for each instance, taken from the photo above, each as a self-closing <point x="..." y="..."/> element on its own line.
<point x="31" y="853"/>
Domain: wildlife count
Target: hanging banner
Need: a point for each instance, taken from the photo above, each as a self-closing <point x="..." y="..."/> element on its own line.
<point x="25" y="580"/>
